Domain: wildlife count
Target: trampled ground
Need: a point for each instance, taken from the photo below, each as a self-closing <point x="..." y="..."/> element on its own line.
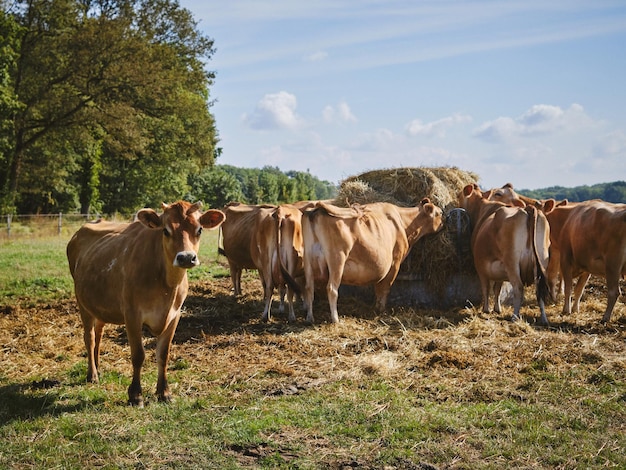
<point x="453" y="358"/>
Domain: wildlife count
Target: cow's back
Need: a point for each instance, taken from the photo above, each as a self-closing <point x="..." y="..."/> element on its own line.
<point x="364" y="237"/>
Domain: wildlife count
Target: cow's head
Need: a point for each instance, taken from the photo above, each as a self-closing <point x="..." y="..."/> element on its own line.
<point x="470" y="191"/>
<point x="434" y="216"/>
<point x="506" y="195"/>
<point x="182" y="225"/>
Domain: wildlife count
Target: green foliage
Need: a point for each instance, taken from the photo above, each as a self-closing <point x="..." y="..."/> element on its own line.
<point x="611" y="192"/>
<point x="222" y="184"/>
<point x="113" y="106"/>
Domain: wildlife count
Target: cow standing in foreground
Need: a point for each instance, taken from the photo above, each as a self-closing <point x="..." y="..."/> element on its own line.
<point x="592" y="240"/>
<point x="361" y="245"/>
<point x="136" y="274"/>
<point x="508" y="244"/>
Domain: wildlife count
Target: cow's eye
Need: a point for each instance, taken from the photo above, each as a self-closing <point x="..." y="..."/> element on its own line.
<point x="166" y="232"/>
<point x="199" y="231"/>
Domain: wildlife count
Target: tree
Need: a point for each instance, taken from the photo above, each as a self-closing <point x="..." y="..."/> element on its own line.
<point x="126" y="75"/>
<point x="215" y="188"/>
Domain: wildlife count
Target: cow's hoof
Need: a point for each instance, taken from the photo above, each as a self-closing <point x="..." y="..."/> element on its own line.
<point x="137" y="402"/>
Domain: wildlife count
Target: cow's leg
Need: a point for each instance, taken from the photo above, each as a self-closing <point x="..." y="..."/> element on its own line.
<point x="309" y="290"/>
<point x="566" y="272"/>
<point x="235" y="277"/>
<point x="543" y="320"/>
<point x="282" y="291"/>
<point x="268" y="291"/>
<point x="290" y="300"/>
<point x="555" y="284"/>
<point x="89" y="337"/>
<point x="98" y="330"/>
<point x="518" y="294"/>
<point x="382" y="289"/>
<point x="335" y="272"/>
<point x="612" y="285"/>
<point x="138" y="355"/>
<point x="497" y="288"/>
<point x="578" y="290"/>
<point x="164" y="343"/>
<point x="381" y="292"/>
<point x="485" y="286"/>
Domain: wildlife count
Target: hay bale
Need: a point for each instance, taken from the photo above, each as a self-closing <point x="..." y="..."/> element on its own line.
<point x="406" y="186"/>
<point x="433" y="259"/>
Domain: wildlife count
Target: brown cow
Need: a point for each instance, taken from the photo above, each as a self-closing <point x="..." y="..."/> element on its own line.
<point x="237" y="231"/>
<point x="361" y="245"/>
<point x="136" y="274"/>
<point x="593" y="241"/>
<point x="508" y="244"/>
<point x="506" y="194"/>
<point x="277" y="249"/>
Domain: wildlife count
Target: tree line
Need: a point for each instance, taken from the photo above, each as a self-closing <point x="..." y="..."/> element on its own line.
<point x="221" y="184"/>
<point x="614" y="192"/>
<point x="104" y="104"/>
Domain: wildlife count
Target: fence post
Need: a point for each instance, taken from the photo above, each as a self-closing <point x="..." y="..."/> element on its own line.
<point x="9" y="225"/>
<point x="60" y="222"/>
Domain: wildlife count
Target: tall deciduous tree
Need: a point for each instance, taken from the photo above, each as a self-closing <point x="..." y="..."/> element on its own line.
<point x="113" y="97"/>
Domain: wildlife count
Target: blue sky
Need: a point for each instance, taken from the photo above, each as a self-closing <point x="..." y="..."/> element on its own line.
<point x="531" y="92"/>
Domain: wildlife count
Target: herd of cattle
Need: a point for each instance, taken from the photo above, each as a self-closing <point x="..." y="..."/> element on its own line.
<point x="135" y="274"/>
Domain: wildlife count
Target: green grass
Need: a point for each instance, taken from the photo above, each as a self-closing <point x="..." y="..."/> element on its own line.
<point x="548" y="417"/>
<point x="79" y="426"/>
<point x="36" y="270"/>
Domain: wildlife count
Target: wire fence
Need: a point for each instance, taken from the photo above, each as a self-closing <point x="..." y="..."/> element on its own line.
<point x="41" y="225"/>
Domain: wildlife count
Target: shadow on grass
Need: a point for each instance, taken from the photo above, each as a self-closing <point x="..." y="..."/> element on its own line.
<point x="38" y="399"/>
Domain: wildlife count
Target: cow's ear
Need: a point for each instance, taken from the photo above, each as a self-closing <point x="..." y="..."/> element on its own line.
<point x="467" y="190"/>
<point x="518" y="203"/>
<point x="507" y="185"/>
<point x="487" y="194"/>
<point x="425" y="201"/>
<point x="149" y="218"/>
<point x="429" y="208"/>
<point x="562" y="203"/>
<point x="548" y="205"/>
<point x="212" y="218"/>
<point x="194" y="207"/>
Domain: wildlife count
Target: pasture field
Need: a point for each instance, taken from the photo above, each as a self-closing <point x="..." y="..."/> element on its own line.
<point x="405" y="389"/>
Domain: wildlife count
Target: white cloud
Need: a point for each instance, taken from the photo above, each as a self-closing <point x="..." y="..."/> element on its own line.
<point x="435" y="128"/>
<point x="316" y="56"/>
<point x="274" y="111"/>
<point x="540" y="119"/>
<point x="611" y="145"/>
<point x="339" y="113"/>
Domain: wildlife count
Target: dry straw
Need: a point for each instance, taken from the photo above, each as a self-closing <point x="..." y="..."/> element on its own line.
<point x="433" y="259"/>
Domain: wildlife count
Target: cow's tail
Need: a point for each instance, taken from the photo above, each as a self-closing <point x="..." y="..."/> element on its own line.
<point x="291" y="282"/>
<point x="541" y="281"/>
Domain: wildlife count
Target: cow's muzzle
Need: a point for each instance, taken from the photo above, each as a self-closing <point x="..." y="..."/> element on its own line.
<point x="186" y="259"/>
